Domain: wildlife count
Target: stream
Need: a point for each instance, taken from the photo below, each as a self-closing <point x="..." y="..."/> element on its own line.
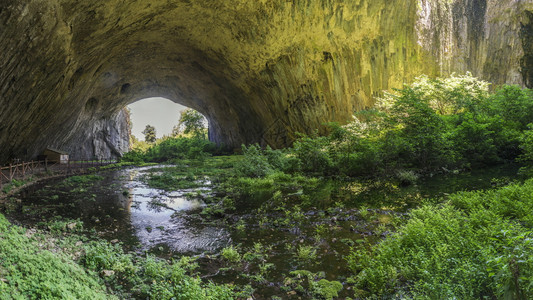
<point x="120" y="206"/>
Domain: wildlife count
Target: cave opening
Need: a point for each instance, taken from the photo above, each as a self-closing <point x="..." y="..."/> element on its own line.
<point x="162" y="114"/>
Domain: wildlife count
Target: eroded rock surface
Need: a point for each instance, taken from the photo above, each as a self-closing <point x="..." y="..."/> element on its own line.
<point x="258" y="70"/>
<point x="106" y="138"/>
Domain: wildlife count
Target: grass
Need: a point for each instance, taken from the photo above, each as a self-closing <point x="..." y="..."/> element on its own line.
<point x="171" y="181"/>
<point x="82" y="179"/>
<point x="190" y="173"/>
<point x="13" y="185"/>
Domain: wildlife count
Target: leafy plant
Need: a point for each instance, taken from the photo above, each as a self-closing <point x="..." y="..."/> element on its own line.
<point x="305" y="254"/>
<point x="313" y="285"/>
<point x="312" y="154"/>
<point x="25" y="270"/>
<point x="474" y="246"/>
<point x="254" y="163"/>
<point x="231" y="254"/>
<point x="171" y="148"/>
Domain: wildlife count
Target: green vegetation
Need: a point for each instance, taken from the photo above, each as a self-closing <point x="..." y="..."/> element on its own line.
<point x="305" y="253"/>
<point x="430" y="126"/>
<point x="313" y="285"/>
<point x="476" y="245"/>
<point x="149" y="134"/>
<point x="231" y="254"/>
<point x="62" y="265"/>
<point x="191" y="123"/>
<point x="188" y="141"/>
<point x="169" y="149"/>
<point x="28" y="270"/>
<point x="149" y="277"/>
<point x="12" y="185"/>
<point x="329" y="217"/>
<point x="82" y="179"/>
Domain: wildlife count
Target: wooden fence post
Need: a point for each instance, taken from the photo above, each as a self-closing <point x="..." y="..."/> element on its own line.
<point x="10" y="172"/>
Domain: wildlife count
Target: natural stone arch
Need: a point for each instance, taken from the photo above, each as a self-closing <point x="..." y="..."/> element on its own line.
<point x="258" y="70"/>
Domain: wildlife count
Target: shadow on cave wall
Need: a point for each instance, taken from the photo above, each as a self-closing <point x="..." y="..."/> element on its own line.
<point x="526" y="34"/>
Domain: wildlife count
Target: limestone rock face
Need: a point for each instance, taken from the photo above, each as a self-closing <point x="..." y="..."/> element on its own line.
<point x="105" y="139"/>
<point x="260" y="71"/>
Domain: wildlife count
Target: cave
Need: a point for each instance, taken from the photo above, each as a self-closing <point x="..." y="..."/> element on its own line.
<point x="260" y="71"/>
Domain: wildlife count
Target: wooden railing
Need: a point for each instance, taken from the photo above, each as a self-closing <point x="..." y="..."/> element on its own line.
<point x="21" y="170"/>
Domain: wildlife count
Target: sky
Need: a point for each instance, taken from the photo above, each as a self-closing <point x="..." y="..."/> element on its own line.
<point x="161" y="113"/>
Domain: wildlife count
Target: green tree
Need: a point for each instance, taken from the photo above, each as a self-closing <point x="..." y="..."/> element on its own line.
<point x="191" y="122"/>
<point x="149" y="134"/>
<point x="526" y="144"/>
<point x="421" y="130"/>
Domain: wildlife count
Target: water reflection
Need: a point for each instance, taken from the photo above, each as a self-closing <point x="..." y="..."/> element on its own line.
<point x="122" y="207"/>
<point x="156" y="219"/>
<point x="332" y="217"/>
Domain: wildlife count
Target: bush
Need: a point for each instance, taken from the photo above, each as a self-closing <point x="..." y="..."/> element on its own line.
<point x="422" y="130"/>
<point x="254" y="163"/>
<point x="173" y="148"/>
<point x="447" y="96"/>
<point x="514" y="104"/>
<point x="428" y="126"/>
<point x="135" y="156"/>
<point x="312" y="152"/>
<point x="473" y="140"/>
<point x="282" y="160"/>
<point x="358" y="157"/>
<point x="526" y="145"/>
<point x="100" y="256"/>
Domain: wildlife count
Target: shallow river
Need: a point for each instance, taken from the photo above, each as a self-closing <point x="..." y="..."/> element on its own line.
<point x="122" y="207"/>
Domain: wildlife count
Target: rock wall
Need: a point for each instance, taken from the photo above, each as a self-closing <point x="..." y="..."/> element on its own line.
<point x="480" y="36"/>
<point x="105" y="139"/>
<point x="260" y="71"/>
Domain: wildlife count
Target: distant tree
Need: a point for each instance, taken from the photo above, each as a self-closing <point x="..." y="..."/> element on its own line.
<point x="176" y="131"/>
<point x="191" y="122"/>
<point x="149" y="134"/>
